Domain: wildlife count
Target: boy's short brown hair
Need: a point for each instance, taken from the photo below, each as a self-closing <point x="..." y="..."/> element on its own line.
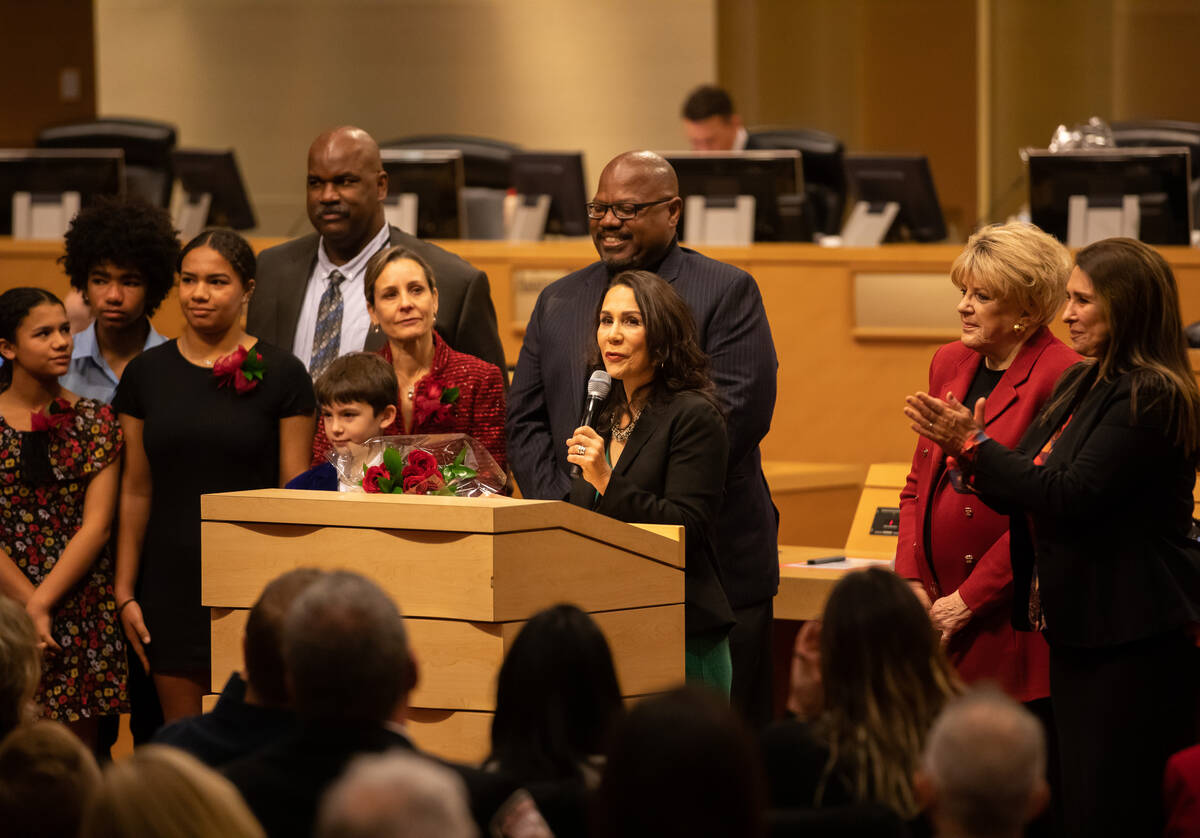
<point x="359" y="377"/>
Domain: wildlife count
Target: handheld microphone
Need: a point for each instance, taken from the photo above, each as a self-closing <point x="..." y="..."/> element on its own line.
<point x="597" y="391"/>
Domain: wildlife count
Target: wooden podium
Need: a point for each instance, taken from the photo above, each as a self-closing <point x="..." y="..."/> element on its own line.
<point x="466" y="573"/>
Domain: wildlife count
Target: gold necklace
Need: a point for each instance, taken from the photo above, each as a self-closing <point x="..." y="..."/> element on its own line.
<point x="620" y="434"/>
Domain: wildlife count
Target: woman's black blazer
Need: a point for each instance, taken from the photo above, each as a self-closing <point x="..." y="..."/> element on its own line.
<point x="1107" y="517"/>
<point x="672" y="471"/>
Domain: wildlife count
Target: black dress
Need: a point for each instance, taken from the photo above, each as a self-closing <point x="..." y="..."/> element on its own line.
<point x="199" y="438"/>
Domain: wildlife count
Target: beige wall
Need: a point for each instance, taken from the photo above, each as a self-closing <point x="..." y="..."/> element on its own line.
<point x="883" y="75"/>
<point x="1065" y="61"/>
<point x="266" y="76"/>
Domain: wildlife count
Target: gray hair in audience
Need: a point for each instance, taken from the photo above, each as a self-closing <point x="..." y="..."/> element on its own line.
<point x="162" y="791"/>
<point x="46" y="777"/>
<point x="396" y="795"/>
<point x="986" y="758"/>
<point x="20" y="665"/>
<point x="346" y="651"/>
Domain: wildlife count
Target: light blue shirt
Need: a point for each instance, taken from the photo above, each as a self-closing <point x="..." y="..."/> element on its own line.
<point x="90" y="376"/>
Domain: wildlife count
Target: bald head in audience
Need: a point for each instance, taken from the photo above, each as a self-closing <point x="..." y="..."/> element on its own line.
<point x="346" y="188"/>
<point x="396" y="795"/>
<point x="983" y="773"/>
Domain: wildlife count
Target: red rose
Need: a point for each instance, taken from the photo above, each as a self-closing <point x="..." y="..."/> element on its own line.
<point x="434" y="390"/>
<point x="415" y="485"/>
<point x="420" y="464"/>
<point x="373" y="476"/>
<point x="228" y="365"/>
<point x="239" y="368"/>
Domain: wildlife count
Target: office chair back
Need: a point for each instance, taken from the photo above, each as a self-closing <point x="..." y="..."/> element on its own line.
<point x="824" y="173"/>
<point x="147" y="145"/>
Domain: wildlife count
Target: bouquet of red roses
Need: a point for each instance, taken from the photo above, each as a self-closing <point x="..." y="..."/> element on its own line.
<point x="434" y="464"/>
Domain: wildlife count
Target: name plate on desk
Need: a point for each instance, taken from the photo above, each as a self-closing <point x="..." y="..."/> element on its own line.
<point x="886" y="521"/>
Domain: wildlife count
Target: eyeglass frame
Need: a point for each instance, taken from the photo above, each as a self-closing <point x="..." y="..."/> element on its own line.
<point x="637" y="208"/>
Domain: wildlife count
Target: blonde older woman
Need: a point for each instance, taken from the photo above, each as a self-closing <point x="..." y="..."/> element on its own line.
<point x="953" y="549"/>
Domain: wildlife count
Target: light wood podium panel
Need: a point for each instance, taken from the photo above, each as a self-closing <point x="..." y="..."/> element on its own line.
<point x="466" y="573"/>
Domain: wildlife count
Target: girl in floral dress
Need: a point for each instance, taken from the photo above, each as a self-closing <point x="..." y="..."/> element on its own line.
<point x="59" y="464"/>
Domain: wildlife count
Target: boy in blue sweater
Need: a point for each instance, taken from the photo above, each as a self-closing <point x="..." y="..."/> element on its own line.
<point x="358" y="395"/>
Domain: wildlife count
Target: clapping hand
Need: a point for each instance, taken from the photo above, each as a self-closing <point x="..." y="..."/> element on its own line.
<point x="948" y="423"/>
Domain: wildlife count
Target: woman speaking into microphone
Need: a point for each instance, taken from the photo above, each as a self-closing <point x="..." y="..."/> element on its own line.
<point x="658" y="450"/>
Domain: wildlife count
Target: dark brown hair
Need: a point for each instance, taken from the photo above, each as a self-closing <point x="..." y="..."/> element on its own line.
<point x="679" y="362"/>
<point x="15" y="305"/>
<point x="1136" y="290"/>
<point x="358" y="377"/>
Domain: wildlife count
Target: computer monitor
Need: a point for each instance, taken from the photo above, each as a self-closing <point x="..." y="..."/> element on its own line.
<point x="904" y="179"/>
<point x="90" y="172"/>
<point x="435" y="177"/>
<point x="216" y="174"/>
<point x="558" y="174"/>
<point x="774" y="178"/>
<point x="822" y="161"/>
<point x="1159" y="177"/>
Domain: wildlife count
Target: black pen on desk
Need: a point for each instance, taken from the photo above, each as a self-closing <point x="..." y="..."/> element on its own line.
<point x="827" y="560"/>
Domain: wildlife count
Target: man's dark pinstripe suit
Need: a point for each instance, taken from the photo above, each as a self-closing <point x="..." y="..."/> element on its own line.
<point x="547" y="394"/>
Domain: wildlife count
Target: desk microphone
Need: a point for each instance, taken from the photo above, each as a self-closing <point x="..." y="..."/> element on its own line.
<point x="597" y="391"/>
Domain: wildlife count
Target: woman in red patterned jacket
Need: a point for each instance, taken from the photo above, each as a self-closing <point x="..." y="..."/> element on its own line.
<point x="952" y="547"/>
<point x="441" y="391"/>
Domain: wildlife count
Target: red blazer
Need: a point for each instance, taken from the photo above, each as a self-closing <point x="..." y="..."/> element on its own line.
<point x="970" y="540"/>
<point x="479" y="411"/>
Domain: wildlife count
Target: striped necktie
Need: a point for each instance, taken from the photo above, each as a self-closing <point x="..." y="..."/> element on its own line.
<point x="328" y="337"/>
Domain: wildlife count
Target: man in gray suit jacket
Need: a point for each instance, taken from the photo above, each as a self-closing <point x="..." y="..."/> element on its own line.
<point x="346" y="188"/>
<point x="638" y="206"/>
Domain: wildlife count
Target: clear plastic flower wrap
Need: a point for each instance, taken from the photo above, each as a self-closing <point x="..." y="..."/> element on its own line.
<point x="422" y="464"/>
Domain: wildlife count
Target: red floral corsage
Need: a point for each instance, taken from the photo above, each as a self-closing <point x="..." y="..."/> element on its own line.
<point x="55" y="418"/>
<point x="432" y="400"/>
<point x="241" y="368"/>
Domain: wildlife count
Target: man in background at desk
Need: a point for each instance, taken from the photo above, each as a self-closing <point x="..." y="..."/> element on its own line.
<point x="710" y="121"/>
<point x="319" y="277"/>
<point x="634" y="216"/>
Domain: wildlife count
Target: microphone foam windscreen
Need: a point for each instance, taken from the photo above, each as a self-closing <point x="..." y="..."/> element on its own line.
<point x="599" y="384"/>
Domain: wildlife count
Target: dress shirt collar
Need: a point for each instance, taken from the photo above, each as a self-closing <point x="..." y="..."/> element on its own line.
<point x="356" y="266"/>
<point x="740" y="140"/>
<point x="89" y="374"/>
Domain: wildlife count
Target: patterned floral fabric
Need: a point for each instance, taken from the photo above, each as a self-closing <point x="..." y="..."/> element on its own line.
<point x="87" y="678"/>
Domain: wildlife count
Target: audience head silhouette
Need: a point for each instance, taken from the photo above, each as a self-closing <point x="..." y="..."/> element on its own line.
<point x="681" y="765"/>
<point x="262" y="646"/>
<point x="396" y="795"/>
<point x="164" y="792"/>
<point x="556" y="697"/>
<point x="46" y="777"/>
<point x="885" y="679"/>
<point x="983" y="774"/>
<point x="346" y="651"/>
<point x="20" y="665"/>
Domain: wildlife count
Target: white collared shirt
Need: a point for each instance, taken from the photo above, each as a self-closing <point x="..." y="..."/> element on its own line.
<point x="355" y="321"/>
<point x="739" y="141"/>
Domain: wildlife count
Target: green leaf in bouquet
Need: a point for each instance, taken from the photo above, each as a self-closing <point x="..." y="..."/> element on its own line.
<point x="393" y="461"/>
<point x="454" y="472"/>
<point x="461" y="457"/>
<point x="450" y="395"/>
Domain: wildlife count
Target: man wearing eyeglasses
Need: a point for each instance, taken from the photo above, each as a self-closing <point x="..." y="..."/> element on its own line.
<point x="633" y="221"/>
